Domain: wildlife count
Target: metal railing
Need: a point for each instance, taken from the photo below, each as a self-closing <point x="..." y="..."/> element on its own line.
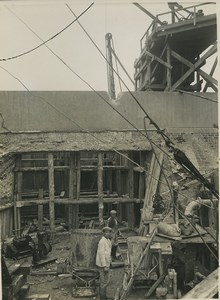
<point x="192" y="15"/>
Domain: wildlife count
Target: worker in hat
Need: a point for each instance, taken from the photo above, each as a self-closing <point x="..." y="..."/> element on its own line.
<point x="103" y="260"/>
<point x="113" y="222"/>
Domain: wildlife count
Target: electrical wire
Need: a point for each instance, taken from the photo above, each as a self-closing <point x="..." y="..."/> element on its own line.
<point x="54" y="36"/>
<point x="166" y="138"/>
<point x="107" y="102"/>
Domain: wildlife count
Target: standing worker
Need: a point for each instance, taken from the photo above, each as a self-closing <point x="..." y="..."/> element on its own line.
<point x="103" y="261"/>
<point x="112" y="222"/>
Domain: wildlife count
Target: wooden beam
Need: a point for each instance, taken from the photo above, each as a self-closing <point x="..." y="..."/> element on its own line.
<point x="168" y="70"/>
<point x="51" y="191"/>
<point x="38" y="169"/>
<point x="40" y="210"/>
<point x="78" y="175"/>
<point x="161" y="61"/>
<point x="207" y="288"/>
<point x="194" y="67"/>
<point x="80" y="201"/>
<point x="161" y="55"/>
<point x="212" y="82"/>
<point x="100" y="187"/>
<point x="71" y="189"/>
<point x="130" y="206"/>
<point x="211" y="73"/>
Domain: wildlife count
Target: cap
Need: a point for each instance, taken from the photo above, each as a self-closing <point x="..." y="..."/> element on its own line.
<point x="106" y="228"/>
<point x="113" y="212"/>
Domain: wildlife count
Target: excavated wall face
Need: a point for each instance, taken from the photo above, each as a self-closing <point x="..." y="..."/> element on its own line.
<point x="7" y="163"/>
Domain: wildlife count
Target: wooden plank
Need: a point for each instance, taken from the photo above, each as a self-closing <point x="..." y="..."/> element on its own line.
<point x="51" y="191"/>
<point x="207" y="288"/>
<point x="194" y="67"/>
<point x="40" y="210"/>
<point x="152" y="181"/>
<point x="37" y="297"/>
<point x="100" y="186"/>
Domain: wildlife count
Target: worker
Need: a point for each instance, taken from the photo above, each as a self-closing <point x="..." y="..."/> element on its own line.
<point x="113" y="222"/>
<point x="103" y="261"/>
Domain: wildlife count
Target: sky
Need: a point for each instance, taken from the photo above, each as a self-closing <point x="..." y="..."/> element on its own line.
<point x="41" y="70"/>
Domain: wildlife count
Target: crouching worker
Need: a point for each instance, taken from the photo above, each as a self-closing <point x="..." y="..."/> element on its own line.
<point x="103" y="261"/>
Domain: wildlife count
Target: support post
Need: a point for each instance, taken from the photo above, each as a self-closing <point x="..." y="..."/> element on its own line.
<point x="76" y="189"/>
<point x="19" y="198"/>
<point x="100" y="187"/>
<point x="71" y="190"/>
<point x="40" y="209"/>
<point x="51" y="193"/>
<point x="175" y="190"/>
<point x="168" y="70"/>
<point x="130" y="206"/>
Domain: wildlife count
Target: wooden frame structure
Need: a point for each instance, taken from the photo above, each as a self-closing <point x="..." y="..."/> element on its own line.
<point x="165" y="62"/>
<point x="114" y="182"/>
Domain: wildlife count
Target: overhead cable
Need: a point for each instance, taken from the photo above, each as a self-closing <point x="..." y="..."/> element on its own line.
<point x="107" y="102"/>
<point x="55" y="35"/>
<point x="167" y="140"/>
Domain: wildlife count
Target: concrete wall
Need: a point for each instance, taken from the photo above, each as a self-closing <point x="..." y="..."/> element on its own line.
<point x="40" y="111"/>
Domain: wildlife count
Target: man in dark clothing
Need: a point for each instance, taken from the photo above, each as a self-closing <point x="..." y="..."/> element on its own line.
<point x="112" y="222"/>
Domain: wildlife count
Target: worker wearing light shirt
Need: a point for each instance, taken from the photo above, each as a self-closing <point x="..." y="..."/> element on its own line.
<point x="103" y="260"/>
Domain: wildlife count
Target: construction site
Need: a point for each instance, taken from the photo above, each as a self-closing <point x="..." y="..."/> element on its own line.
<point x="68" y="158"/>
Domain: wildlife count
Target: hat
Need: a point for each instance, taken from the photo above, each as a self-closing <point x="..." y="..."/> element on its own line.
<point x="106" y="228"/>
<point x="113" y="212"/>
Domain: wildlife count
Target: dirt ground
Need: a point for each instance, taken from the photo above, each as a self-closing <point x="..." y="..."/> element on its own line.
<point x="61" y="288"/>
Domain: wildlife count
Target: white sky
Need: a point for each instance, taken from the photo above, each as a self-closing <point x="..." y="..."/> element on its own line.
<point x="40" y="70"/>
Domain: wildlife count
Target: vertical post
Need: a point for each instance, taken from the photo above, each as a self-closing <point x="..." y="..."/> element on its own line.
<point x="198" y="77"/>
<point x="130" y="206"/>
<point x="74" y="189"/>
<point x="78" y="177"/>
<point x="40" y="209"/>
<point x="71" y="189"/>
<point x="168" y="70"/>
<point x="19" y="198"/>
<point x="148" y="73"/>
<point x="175" y="188"/>
<point x="51" y="193"/>
<point x="100" y="187"/>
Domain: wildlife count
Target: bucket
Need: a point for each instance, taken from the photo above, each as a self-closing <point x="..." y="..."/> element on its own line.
<point x="84" y="243"/>
<point x="147" y="214"/>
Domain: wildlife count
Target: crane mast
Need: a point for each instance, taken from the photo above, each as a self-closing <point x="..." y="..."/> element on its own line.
<point x="110" y="72"/>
